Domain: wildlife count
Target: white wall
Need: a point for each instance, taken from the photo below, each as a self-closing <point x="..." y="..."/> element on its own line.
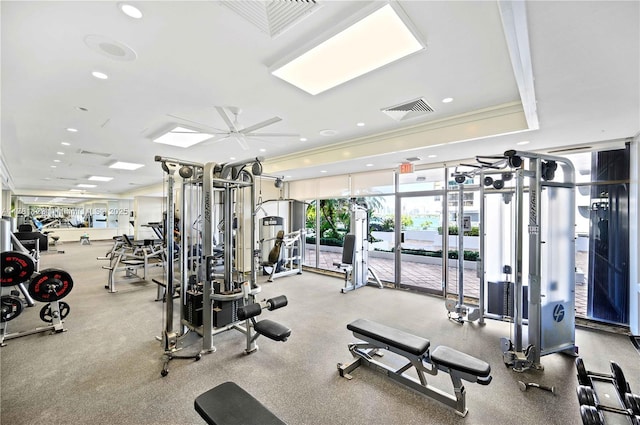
<point x="146" y="209"/>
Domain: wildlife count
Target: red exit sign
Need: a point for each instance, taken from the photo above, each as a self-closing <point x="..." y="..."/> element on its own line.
<point x="406" y="168"/>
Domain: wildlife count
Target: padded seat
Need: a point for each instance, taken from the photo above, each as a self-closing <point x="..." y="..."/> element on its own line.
<point x="457" y="360"/>
<point x="392" y="337"/>
<point x="272" y="330"/>
<point x="228" y="404"/>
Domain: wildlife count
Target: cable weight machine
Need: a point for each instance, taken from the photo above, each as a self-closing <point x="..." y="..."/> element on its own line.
<point x="526" y="234"/>
<point x="216" y="201"/>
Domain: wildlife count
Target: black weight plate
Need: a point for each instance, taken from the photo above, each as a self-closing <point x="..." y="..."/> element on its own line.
<point x="619" y="380"/>
<point x="10" y="307"/>
<point x="632" y="401"/>
<point x="586" y="396"/>
<point x="583" y="375"/>
<point x="50" y="285"/>
<point x="46" y="313"/>
<point x="16" y="268"/>
<point x="591" y="416"/>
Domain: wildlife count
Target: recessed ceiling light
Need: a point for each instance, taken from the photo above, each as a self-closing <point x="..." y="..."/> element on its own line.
<point x="303" y="139"/>
<point x="232" y="158"/>
<point x="56" y="160"/>
<point x="86" y="185"/>
<point x="287" y="177"/>
<point x="263" y="150"/>
<point x="369" y="165"/>
<point x="65" y="144"/>
<point x="447" y="100"/>
<point x="76" y="190"/>
<point x="54" y="166"/>
<point x="100" y="75"/>
<point x="125" y="165"/>
<point x="328" y="132"/>
<point x="360" y="124"/>
<point x="524" y="142"/>
<point x="60" y="153"/>
<point x="100" y="178"/>
<point x="323" y="171"/>
<point x="72" y="130"/>
<point x="432" y="156"/>
<point x="131" y="11"/>
<point x="182" y="137"/>
<point x="374" y="41"/>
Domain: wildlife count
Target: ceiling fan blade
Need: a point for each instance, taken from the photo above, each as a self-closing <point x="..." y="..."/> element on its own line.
<point x="260" y="125"/>
<point x="199" y="124"/>
<point x="243" y="143"/>
<point x="226" y="119"/>
<point x="271" y="134"/>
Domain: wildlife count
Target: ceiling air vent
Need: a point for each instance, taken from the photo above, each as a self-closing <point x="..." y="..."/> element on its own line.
<point x="410" y="109"/>
<point x="272" y="16"/>
<point x="83" y="152"/>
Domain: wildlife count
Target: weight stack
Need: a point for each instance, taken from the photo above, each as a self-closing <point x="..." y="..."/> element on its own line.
<point x="193" y="311"/>
<point x="500" y="299"/>
<point x="225" y="312"/>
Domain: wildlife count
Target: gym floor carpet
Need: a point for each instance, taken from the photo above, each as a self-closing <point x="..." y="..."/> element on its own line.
<point x="106" y="368"/>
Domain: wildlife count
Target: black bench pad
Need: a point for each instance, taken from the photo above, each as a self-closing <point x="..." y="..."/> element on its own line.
<point x="389" y="336"/>
<point x="272" y="330"/>
<point x="457" y="360"/>
<point x="228" y="404"/>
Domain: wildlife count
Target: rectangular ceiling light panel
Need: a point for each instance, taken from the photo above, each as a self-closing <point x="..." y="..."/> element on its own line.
<point x="100" y="179"/>
<point x="377" y="40"/>
<point x="182" y="137"/>
<point x="125" y="165"/>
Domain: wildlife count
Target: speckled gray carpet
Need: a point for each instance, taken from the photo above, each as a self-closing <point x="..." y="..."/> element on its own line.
<point x="106" y="368"/>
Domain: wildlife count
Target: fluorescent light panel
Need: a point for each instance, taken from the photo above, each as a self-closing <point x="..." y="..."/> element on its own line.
<point x="100" y="179"/>
<point x="85" y="185"/>
<point x="377" y="40"/>
<point x="182" y="137"/>
<point x="125" y="165"/>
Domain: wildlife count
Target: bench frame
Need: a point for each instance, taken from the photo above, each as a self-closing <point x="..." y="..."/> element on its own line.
<point x="364" y="353"/>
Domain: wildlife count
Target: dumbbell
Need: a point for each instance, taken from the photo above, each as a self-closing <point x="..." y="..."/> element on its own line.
<point x="524" y="386"/>
<point x="589" y="403"/>
<point x="619" y="381"/>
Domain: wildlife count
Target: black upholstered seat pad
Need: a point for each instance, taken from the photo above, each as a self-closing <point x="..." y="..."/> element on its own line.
<point x="457" y="360"/>
<point x="272" y="329"/>
<point x="228" y="404"/>
<point x="389" y="336"/>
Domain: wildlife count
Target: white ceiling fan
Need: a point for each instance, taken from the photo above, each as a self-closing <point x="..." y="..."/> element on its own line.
<point x="235" y="131"/>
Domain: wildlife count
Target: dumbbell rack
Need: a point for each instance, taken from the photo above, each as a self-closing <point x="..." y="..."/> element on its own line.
<point x="606" y="398"/>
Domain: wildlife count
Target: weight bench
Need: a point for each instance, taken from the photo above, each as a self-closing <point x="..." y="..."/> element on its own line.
<point x="415" y="350"/>
<point x="228" y="404"/>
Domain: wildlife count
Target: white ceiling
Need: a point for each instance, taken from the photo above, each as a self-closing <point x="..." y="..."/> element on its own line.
<point x="584" y="59"/>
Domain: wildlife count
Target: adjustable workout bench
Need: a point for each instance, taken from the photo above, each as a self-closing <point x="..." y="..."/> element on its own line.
<point x="228" y="404"/>
<point x="416" y="350"/>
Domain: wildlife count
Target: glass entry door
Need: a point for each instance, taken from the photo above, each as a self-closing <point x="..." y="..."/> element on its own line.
<point x="419" y="262"/>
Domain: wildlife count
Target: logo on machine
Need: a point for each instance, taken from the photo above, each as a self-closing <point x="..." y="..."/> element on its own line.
<point x="558" y="313"/>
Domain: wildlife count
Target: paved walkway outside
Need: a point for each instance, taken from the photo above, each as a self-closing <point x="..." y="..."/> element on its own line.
<point x="420" y="275"/>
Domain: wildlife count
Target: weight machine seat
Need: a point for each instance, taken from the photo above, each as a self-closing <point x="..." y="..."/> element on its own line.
<point x="228" y="404"/>
<point x="457" y="360"/>
<point x="272" y="330"/>
<point x="393" y="337"/>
